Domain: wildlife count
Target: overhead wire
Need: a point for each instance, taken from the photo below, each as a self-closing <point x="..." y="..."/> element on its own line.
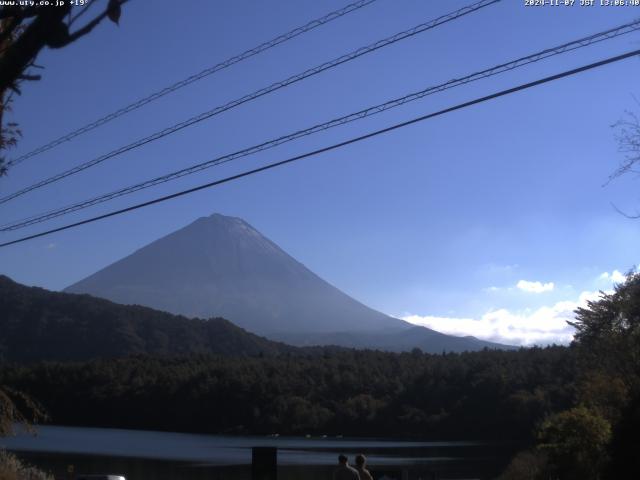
<point x="280" y="39"/>
<point x="423" y="27"/>
<point x="334" y="146"/>
<point x="373" y="110"/>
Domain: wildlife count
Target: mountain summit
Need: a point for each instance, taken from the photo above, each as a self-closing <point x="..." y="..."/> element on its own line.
<point x="222" y="266"/>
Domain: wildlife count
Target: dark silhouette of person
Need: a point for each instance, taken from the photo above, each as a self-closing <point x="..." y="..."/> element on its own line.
<point x="344" y="470"/>
<point x="361" y="467"/>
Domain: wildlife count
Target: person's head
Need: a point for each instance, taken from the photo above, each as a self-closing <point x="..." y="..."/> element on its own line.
<point x="360" y="460"/>
<point x="342" y="459"/>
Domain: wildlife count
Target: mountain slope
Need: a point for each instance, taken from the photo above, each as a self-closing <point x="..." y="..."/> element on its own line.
<point x="36" y="324"/>
<point x="221" y="266"/>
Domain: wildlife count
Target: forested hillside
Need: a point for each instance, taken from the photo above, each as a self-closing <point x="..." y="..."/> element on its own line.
<point x="496" y="394"/>
<point x="577" y="408"/>
<point x="36" y="324"/>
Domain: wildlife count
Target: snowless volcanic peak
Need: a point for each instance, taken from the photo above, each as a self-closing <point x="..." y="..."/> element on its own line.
<point x="222" y="266"/>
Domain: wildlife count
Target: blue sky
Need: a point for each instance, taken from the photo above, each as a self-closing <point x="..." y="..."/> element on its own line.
<point x="438" y="222"/>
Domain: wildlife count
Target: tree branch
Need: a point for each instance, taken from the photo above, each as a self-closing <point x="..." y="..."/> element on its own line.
<point x="93" y="23"/>
<point x="42" y="31"/>
<point x="18" y="13"/>
<point x="9" y="26"/>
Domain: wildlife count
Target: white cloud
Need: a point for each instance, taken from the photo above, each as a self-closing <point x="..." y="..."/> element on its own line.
<point x="534" y="287"/>
<point x="51" y="246"/>
<point x="543" y="326"/>
<point x="492" y="289"/>
<point x="614" y="277"/>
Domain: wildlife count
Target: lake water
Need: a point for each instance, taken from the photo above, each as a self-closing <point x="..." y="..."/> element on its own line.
<point x="146" y="455"/>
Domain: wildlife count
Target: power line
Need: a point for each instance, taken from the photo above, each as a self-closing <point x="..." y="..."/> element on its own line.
<point x="520" y="62"/>
<point x="259" y="93"/>
<point x="194" y="78"/>
<point x="335" y="146"/>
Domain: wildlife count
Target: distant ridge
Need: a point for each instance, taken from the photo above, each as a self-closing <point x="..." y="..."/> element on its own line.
<point x="220" y="266"/>
<point x="427" y="340"/>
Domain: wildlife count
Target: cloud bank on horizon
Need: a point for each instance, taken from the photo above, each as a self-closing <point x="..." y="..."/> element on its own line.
<point x="527" y="327"/>
<point x="534" y="287"/>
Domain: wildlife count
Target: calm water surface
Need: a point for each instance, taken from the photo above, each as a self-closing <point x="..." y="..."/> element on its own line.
<point x="145" y="455"/>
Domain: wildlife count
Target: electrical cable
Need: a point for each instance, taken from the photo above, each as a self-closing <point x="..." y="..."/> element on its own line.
<point x="194" y="78"/>
<point x="259" y="93"/>
<point x="520" y="62"/>
<point x="335" y="146"/>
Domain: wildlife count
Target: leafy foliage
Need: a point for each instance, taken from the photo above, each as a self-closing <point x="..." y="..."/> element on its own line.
<point x="576" y="441"/>
<point x="18" y="408"/>
<point x="599" y="434"/>
<point x="527" y="465"/>
<point x="11" y="468"/>
<point x="608" y="332"/>
<point x="9" y="133"/>
<point x="25" y="29"/>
